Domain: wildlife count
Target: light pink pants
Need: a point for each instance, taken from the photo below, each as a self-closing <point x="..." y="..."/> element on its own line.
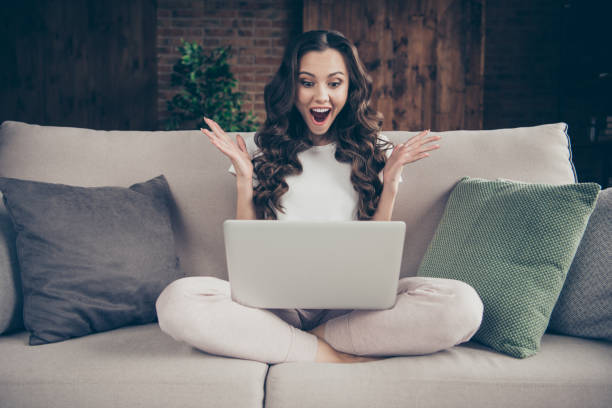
<point x="429" y="315"/>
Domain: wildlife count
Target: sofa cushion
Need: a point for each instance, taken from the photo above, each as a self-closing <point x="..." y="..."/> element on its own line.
<point x="201" y="184"/>
<point x="91" y="259"/>
<point x="514" y="243"/>
<point x="10" y="281"/>
<point x="568" y="372"/>
<point x="194" y="168"/>
<point x="584" y="307"/>
<point x="136" y="366"/>
<point x="536" y="154"/>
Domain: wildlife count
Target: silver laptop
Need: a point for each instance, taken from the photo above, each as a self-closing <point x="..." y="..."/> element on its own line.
<point x="314" y="264"/>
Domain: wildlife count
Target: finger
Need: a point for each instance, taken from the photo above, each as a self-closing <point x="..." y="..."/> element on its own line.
<point x="217" y="129"/>
<point x="420" y="153"/>
<point x="417" y="138"/>
<point x="432" y="139"/>
<point x="241" y="143"/>
<point x="207" y="133"/>
<point x="423" y="142"/>
<point x="211" y="135"/>
<point x="230" y="153"/>
<point x="422" y="148"/>
<point x="218" y="143"/>
<point x="211" y="125"/>
<point x="215" y="137"/>
<point x="415" y="158"/>
<point x="214" y="126"/>
<point x="428" y="148"/>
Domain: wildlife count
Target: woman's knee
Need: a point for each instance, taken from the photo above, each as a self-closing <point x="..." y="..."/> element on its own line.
<point x="462" y="315"/>
<point x="175" y="303"/>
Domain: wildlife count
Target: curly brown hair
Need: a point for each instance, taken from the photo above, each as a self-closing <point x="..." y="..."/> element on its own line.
<point x="284" y="134"/>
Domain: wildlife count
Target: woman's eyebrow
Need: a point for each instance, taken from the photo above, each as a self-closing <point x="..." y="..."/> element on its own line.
<point x="312" y="75"/>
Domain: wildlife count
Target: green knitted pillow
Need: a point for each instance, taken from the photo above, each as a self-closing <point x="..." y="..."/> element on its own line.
<point x="514" y="243"/>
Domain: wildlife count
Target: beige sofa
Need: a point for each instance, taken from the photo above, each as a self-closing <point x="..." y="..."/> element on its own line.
<point x="141" y="366"/>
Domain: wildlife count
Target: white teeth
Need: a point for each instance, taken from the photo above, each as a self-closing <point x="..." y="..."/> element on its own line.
<point x="321" y="110"/>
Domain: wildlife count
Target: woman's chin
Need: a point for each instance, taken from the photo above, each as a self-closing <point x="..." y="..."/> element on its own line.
<point x="318" y="130"/>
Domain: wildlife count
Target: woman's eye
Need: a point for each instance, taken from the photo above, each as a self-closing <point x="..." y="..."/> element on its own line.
<point x="308" y="84"/>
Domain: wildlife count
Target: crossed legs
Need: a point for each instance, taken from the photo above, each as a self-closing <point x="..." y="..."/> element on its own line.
<point x="429" y="315"/>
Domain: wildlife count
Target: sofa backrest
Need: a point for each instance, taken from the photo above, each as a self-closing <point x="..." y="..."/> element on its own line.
<point x="204" y="190"/>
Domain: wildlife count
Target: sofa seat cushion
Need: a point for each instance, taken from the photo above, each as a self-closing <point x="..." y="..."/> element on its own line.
<point x="136" y="366"/>
<point x="568" y="372"/>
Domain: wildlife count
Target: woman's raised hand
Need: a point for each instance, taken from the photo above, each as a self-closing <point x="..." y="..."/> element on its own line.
<point x="235" y="151"/>
<point x="411" y="150"/>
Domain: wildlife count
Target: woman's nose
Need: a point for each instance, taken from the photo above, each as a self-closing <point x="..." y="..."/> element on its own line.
<point x="321" y="94"/>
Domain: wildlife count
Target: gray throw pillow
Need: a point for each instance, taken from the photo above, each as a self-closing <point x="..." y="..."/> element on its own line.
<point x="10" y="282"/>
<point x="92" y="259"/>
<point x="584" y="308"/>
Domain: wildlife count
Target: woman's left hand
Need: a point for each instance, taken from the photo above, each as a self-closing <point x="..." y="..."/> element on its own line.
<point x="413" y="149"/>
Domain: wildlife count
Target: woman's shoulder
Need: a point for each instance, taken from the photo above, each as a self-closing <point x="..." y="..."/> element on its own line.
<point x="385" y="143"/>
<point x="384" y="139"/>
<point x="382" y="136"/>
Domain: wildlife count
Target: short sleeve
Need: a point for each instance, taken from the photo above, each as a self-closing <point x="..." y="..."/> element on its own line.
<point x="388" y="154"/>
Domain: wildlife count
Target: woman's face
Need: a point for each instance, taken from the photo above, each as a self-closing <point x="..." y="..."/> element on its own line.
<point x="322" y="90"/>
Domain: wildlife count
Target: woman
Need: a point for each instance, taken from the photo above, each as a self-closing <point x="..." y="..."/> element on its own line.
<point x="319" y="156"/>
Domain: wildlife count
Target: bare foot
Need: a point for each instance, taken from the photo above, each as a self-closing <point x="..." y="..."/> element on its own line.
<point x="327" y="354"/>
<point x="319" y="331"/>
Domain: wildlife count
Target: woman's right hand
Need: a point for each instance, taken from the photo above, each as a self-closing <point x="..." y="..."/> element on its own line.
<point x="235" y="151"/>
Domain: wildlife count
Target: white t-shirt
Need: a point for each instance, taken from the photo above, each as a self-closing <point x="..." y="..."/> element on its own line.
<point x="323" y="192"/>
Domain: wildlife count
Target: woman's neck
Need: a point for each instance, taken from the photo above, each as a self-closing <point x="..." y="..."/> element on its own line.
<point x="322" y="140"/>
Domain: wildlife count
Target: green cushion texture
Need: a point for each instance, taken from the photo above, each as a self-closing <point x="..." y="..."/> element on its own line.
<point x="514" y="243"/>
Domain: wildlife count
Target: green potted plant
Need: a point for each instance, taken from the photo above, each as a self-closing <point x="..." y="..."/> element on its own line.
<point x="207" y="90"/>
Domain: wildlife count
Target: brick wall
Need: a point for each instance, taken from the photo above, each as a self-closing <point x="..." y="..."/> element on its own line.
<point x="257" y="30"/>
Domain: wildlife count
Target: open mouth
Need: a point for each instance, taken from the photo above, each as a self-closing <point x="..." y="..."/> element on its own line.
<point x="319" y="115"/>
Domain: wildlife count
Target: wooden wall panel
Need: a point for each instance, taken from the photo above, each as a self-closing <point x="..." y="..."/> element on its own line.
<point x="79" y="63"/>
<point x="426" y="57"/>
